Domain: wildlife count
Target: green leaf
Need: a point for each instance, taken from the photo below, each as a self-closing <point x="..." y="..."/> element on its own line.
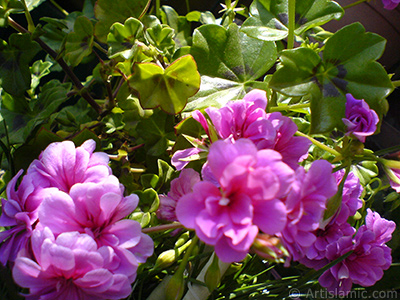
<point x="8" y="7"/>
<point x="168" y="88"/>
<point x="148" y="200"/>
<point x="179" y="24"/>
<point x="108" y="12"/>
<point x="218" y="92"/>
<point x="230" y="54"/>
<point x="23" y="119"/>
<point x="15" y="76"/>
<point x="80" y="42"/>
<point x="121" y="39"/>
<point x="160" y="36"/>
<point x="113" y="122"/>
<point x="39" y="69"/>
<point x="25" y="154"/>
<point x="347" y="66"/>
<point x="156" y="131"/>
<point x="165" y="173"/>
<point x="269" y="18"/>
<point x="31" y="4"/>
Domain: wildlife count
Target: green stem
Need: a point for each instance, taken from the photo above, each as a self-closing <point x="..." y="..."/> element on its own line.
<point x="354" y="4"/>
<point x="396" y="83"/>
<point x="320" y="145"/>
<point x="292" y="11"/>
<point x="158" y="8"/>
<point x="59" y="7"/>
<point x="175" y="225"/>
<point x="185" y="258"/>
<point x="31" y="25"/>
<point x="289" y="107"/>
<point x="187" y="6"/>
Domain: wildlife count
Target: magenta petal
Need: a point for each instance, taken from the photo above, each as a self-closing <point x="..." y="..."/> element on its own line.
<point x="258" y="97"/>
<point x="191" y="204"/>
<point x="177" y="161"/>
<point x="58" y="212"/>
<point x="226" y="254"/>
<point x="270" y="215"/>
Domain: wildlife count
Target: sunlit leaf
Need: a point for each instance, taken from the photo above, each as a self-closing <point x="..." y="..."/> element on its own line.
<point x="168" y="88"/>
<point x="348" y="66"/>
<point x="110" y="11"/>
<point x="80" y="42"/>
<point x="269" y="18"/>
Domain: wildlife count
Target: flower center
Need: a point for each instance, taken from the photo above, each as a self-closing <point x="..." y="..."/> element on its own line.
<point x="224" y="201"/>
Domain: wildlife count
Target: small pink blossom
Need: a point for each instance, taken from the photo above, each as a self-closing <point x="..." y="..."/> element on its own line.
<point x="71" y="267"/>
<point x="251" y="183"/>
<point x="179" y="187"/>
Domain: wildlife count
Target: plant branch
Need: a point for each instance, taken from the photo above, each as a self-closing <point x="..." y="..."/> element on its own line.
<point x="175" y="225"/>
<point x="289" y="107"/>
<point x="31" y="25"/>
<point x="354" y="4"/>
<point x="291" y="25"/>
<point x="81" y="89"/>
<point x="320" y="145"/>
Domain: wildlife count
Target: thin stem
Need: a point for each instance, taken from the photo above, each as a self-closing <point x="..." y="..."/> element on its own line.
<point x="354" y="4"/>
<point x="187" y="6"/>
<point x="145" y="10"/>
<point x="59" y="7"/>
<point x="320" y="145"/>
<point x="289" y="107"/>
<point x="175" y="225"/>
<point x="31" y="25"/>
<point x="292" y="11"/>
<point x="158" y="8"/>
<point x="396" y="83"/>
<point x="82" y="90"/>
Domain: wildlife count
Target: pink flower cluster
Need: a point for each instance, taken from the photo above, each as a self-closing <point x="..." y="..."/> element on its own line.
<point x="69" y="238"/>
<point x="252" y="187"/>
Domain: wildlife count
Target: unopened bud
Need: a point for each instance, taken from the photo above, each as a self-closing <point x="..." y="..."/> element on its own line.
<point x="213" y="275"/>
<point x="270" y="248"/>
<point x="175" y="287"/>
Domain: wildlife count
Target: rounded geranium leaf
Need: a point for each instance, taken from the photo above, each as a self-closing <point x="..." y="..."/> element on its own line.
<point x="168" y="88"/>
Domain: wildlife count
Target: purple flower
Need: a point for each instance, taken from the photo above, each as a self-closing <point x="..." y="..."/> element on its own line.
<point x="369" y="258"/>
<point x="351" y="201"/>
<point x="179" y="159"/>
<point x="70" y="266"/>
<point x="251" y="183"/>
<point x="305" y="206"/>
<point x="179" y="187"/>
<point x="390" y="4"/>
<point x="98" y="210"/>
<point x="20" y="215"/>
<point x="360" y="120"/>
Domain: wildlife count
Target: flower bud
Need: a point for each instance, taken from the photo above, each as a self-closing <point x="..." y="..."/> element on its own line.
<point x="175" y="287"/>
<point x="167" y="258"/>
<point x="213" y="275"/>
<point x="270" y="248"/>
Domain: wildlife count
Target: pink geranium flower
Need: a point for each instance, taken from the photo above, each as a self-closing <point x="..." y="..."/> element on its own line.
<point x="305" y="206"/>
<point x="71" y="267"/>
<point x="60" y="166"/>
<point x="247" y="119"/>
<point x="251" y="183"/>
<point x="98" y="210"/>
